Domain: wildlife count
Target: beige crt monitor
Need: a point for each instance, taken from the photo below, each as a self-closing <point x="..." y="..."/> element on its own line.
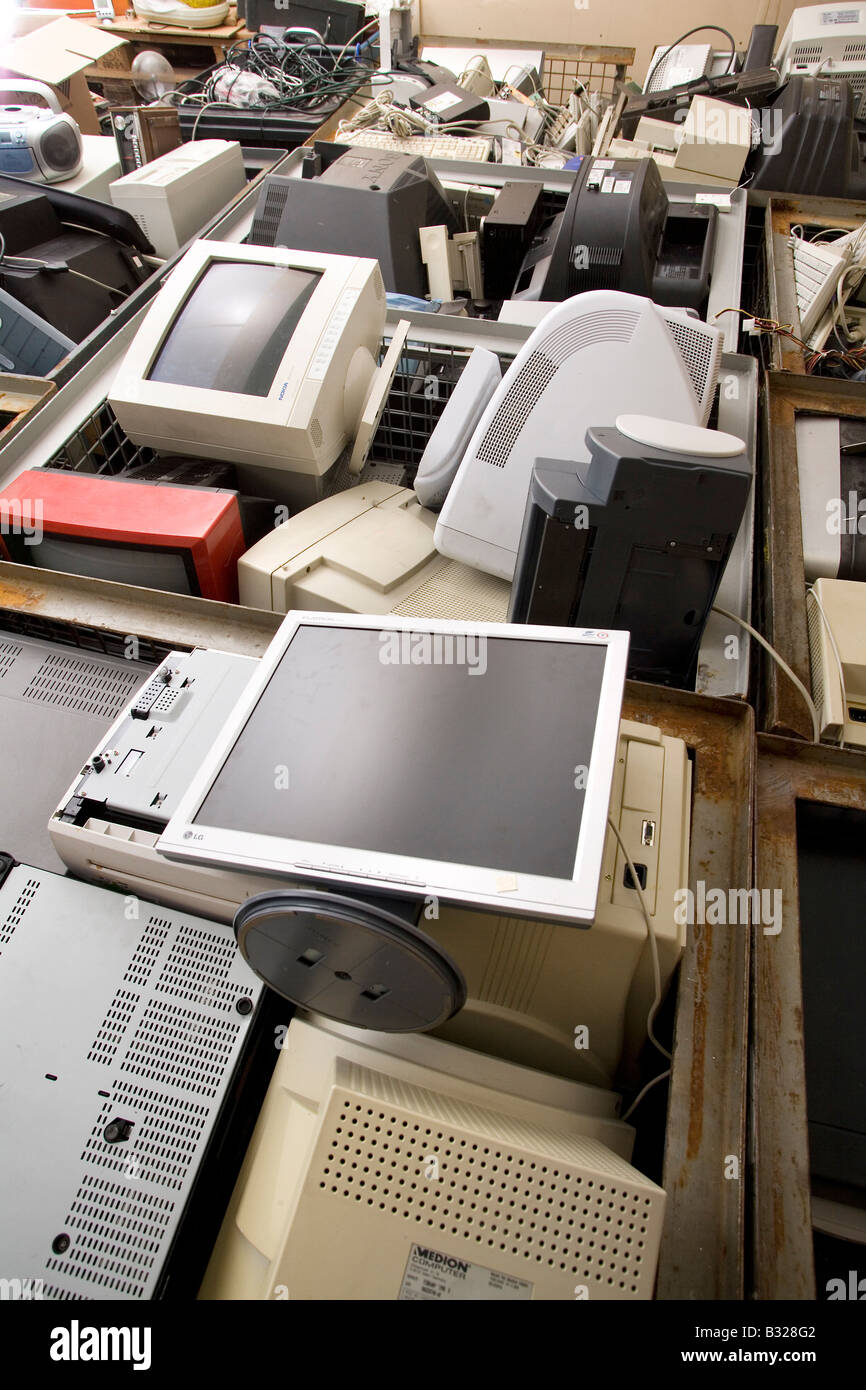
<point x="403" y="1168"/>
<point x="369" y="549"/>
<point x="264" y="357"/>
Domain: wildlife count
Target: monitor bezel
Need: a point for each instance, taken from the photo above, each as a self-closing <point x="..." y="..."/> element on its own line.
<point x="342" y="283"/>
<point x="525" y="895"/>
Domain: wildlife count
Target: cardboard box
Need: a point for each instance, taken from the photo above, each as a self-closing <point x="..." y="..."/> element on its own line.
<point x="58" y="54"/>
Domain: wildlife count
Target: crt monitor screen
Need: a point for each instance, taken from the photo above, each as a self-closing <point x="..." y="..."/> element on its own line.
<point x="233" y="330"/>
<point x="442" y="772"/>
<point x="168" y="570"/>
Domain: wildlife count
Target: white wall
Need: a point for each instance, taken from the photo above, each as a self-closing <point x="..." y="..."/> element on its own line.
<point x="629" y="22"/>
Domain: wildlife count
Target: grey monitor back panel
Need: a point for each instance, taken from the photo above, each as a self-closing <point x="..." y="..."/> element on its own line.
<point x="121" y="1027"/>
<point x="55" y="703"/>
<point x="143" y="763"/>
<point x="28" y="343"/>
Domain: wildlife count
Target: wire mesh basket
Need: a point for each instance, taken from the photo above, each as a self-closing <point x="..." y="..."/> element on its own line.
<point x="425" y="378"/>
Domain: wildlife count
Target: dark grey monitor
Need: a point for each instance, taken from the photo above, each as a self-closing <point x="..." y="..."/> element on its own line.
<point x="366" y="202"/>
<point x="637" y="539"/>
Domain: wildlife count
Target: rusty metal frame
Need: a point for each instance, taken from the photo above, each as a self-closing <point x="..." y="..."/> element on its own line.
<point x="702" y="1252"/>
<point x="781" y="215"/>
<point x="782" y="1258"/>
<point x="21" y="397"/>
<point x="782" y="587"/>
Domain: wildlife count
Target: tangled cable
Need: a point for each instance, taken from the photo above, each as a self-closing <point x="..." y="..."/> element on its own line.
<point x="297" y="72"/>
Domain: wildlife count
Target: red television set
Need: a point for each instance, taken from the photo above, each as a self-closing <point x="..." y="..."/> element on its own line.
<point x="186" y="540"/>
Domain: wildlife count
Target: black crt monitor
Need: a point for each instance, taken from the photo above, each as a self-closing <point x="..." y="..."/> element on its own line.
<point x="809" y="141"/>
<point x="608" y="236"/>
<point x="335" y="20"/>
<point x="637" y="539"/>
<point x="363" y="202"/>
<point x="68" y="260"/>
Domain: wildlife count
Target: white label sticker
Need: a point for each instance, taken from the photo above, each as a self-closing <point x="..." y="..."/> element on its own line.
<point x="839" y="17"/>
<point x="720" y="200"/>
<point x="602" y="164"/>
<point x="607" y="184"/>
<point x="622" y="186"/>
<point x="443" y="102"/>
<point x="430" y="1274"/>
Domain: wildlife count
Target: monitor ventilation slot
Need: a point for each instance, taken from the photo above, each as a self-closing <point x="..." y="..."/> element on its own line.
<point x="18" y="909"/>
<point x="87" y="686"/>
<point x="517" y="959"/>
<point x="815" y="630"/>
<point x="103" y="1250"/>
<point x="523" y="395"/>
<point x="592" y="1225"/>
<point x="700" y="352"/>
<point x="807" y="52"/>
<point x="481" y="597"/>
<point x="266" y="227"/>
<point x="165" y="1136"/>
<point x="176" y="1046"/>
<point x="604" y="326"/>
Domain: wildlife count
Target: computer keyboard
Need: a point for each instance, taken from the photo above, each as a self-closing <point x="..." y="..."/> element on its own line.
<point x="475" y="147"/>
<point x="817" y="268"/>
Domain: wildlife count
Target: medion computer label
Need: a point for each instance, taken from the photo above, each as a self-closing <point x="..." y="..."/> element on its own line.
<point x="430" y="1274"/>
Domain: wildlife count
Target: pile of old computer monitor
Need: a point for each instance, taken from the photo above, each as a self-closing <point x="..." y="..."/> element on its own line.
<point x="415" y="844"/>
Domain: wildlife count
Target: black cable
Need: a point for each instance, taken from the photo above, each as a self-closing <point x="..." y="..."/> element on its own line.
<point x="304" y="75"/>
<point x="700" y="29"/>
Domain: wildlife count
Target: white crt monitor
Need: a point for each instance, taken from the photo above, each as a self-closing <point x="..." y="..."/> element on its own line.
<point x="471" y="762"/>
<point x="592" y="358"/>
<point x="368" y="549"/>
<point x="407" y="1169"/>
<point x="261" y="356"/>
<point x="828" y="41"/>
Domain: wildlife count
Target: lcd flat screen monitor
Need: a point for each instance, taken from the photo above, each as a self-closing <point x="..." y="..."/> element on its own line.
<point x="468" y="761"/>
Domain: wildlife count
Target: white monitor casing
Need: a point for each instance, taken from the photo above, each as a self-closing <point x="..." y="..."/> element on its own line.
<point x="427" y="1123"/>
<point x="592" y="358"/>
<point x="286" y="441"/>
<point x="369" y="549"/>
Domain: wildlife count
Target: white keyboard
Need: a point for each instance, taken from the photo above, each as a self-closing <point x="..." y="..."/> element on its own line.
<point x="473" y="147"/>
<point x="817" y="269"/>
